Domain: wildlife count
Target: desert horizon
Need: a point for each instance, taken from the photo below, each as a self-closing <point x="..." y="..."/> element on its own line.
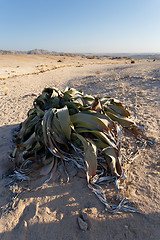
<point x="39" y="51"/>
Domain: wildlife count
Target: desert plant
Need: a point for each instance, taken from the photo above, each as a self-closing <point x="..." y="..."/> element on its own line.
<point x="71" y="126"/>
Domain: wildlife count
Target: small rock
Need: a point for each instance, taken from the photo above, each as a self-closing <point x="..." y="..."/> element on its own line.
<point x="133" y="61"/>
<point x="82" y="224"/>
<point x="126" y="227"/>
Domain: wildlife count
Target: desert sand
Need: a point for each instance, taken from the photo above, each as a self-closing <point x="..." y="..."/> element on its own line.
<point x="52" y="211"/>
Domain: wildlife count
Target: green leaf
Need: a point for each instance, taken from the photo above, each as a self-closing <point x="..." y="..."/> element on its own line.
<point x="44" y="128"/>
<point x="47" y="91"/>
<point x="123" y="121"/>
<point x="49" y="143"/>
<point x="54" y="102"/>
<point x="85" y="125"/>
<point x="90" y="156"/>
<point x="100" y="135"/>
<point x="115" y="106"/>
<point x="105" y="100"/>
<point x="79" y="101"/>
<point x="119" y="109"/>
<point x="114" y="164"/>
<point x="64" y="119"/>
<point x="70" y="105"/>
<point x="29" y="125"/>
<point x="96" y="120"/>
<point x="55" y="129"/>
<point x="88" y="100"/>
<point x="100" y="144"/>
<point x="72" y="93"/>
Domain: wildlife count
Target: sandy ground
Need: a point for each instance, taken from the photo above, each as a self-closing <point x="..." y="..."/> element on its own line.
<point x="21" y="64"/>
<point x="52" y="212"/>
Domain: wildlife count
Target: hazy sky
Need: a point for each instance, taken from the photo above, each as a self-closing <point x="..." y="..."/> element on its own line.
<point x="103" y="26"/>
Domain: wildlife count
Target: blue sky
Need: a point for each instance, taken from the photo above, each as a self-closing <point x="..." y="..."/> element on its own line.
<point x="98" y="26"/>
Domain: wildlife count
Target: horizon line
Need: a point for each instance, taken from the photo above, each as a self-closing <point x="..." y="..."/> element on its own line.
<point x="76" y="52"/>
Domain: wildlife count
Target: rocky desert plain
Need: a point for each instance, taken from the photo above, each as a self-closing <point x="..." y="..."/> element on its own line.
<point x="52" y="211"/>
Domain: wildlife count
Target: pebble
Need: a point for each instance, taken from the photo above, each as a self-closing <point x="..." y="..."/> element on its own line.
<point x="126" y="227"/>
<point x="82" y="224"/>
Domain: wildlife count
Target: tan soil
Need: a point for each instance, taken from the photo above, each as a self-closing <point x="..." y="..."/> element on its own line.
<point x="52" y="212"/>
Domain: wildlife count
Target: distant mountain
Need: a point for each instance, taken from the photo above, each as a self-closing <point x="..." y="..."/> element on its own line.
<point x="33" y="52"/>
<point x="5" y="52"/>
<point x="88" y="55"/>
<point x="38" y="52"/>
